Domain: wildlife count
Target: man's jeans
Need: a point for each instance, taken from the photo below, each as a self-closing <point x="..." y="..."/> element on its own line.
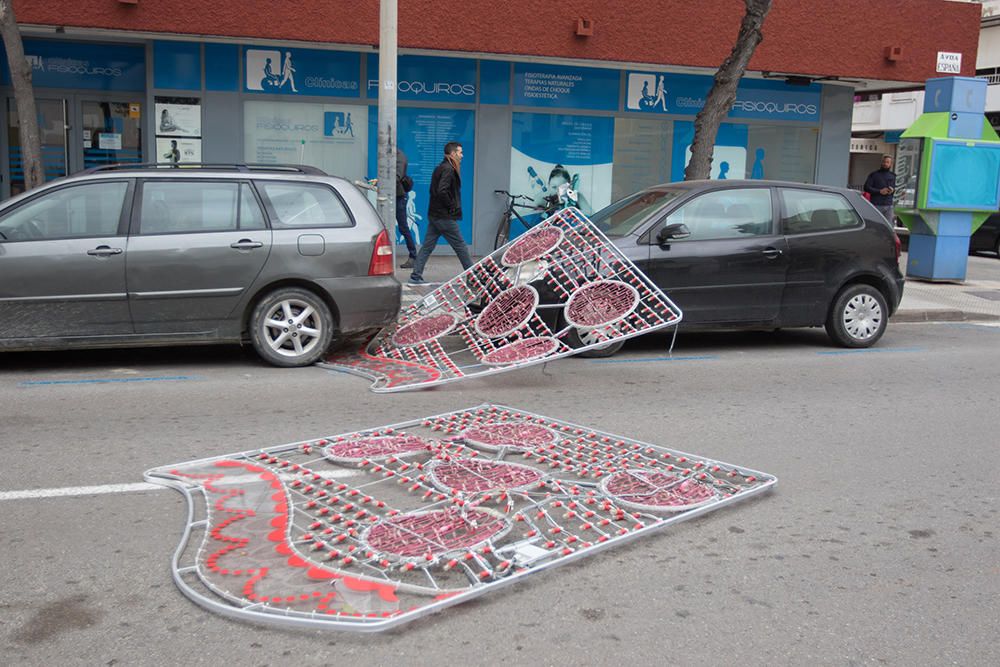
<point x="437" y="227"/>
<point x="888" y="212"/>
<point x="404" y="227"/>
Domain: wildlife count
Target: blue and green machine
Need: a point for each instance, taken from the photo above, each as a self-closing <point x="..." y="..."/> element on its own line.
<point x="947" y="177"/>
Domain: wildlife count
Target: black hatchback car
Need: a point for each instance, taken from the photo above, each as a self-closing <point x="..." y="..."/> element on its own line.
<point x="763" y="254"/>
<point x="987" y="237"/>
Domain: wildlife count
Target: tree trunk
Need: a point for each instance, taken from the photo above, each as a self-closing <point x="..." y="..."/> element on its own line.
<point x="723" y="93"/>
<point x="24" y="95"/>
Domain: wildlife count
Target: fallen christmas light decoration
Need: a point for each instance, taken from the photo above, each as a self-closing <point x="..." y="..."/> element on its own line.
<point x="368" y="530"/>
<point x="515" y="308"/>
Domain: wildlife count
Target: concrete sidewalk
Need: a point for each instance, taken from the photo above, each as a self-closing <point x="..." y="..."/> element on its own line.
<point x="978" y="298"/>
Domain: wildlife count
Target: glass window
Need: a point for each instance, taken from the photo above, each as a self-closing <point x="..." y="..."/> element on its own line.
<point x="183" y="207"/>
<point x="80" y="211"/>
<point x="622" y="217"/>
<point x="726" y="214"/>
<point x="305" y="205"/>
<point x="813" y="211"/>
<point x="642" y="155"/>
<point x="332" y="137"/>
<point x="781" y="153"/>
<point x="251" y="217"/>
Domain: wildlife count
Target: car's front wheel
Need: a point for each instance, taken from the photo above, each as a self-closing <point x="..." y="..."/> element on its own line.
<point x="858" y="317"/>
<point x="291" y="327"/>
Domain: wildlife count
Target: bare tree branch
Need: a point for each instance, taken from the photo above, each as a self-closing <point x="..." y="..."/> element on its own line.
<point x="723" y="93"/>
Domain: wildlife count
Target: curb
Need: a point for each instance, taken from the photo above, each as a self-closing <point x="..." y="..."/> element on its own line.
<point x="942" y="316"/>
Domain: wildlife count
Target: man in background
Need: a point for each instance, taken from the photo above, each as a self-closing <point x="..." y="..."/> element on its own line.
<point x="881" y="186"/>
<point x="403" y="186"/>
<point x="443" y="212"/>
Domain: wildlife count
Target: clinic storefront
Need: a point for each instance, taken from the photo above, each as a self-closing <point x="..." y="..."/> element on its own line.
<point x="525" y="126"/>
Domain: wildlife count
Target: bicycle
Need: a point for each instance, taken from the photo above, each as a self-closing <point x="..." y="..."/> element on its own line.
<point x="503" y="229"/>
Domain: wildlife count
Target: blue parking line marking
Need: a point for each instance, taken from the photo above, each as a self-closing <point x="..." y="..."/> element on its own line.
<point x="163" y="378"/>
<point x="872" y="349"/>
<point x="645" y="359"/>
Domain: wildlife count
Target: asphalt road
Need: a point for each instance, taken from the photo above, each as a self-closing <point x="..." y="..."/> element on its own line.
<point x="878" y="546"/>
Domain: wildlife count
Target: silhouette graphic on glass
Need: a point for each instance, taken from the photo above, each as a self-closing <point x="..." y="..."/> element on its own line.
<point x="287" y="72"/>
<point x="270" y="80"/>
<point x="648" y="102"/>
<point x="758" y="165"/>
<point x="412" y="216"/>
<point x="661" y="93"/>
<point x="723" y="170"/>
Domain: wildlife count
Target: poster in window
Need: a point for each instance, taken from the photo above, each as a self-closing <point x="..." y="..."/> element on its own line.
<point x="178" y="151"/>
<point x="178" y="120"/>
<point x="549" y="150"/>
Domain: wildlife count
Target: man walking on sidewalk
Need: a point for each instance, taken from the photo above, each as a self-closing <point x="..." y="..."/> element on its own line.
<point x="403" y="186"/>
<point x="443" y="212"/>
<point x="881" y="185"/>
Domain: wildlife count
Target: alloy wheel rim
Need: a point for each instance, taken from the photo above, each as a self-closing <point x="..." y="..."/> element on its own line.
<point x="292" y="328"/>
<point x="589" y="337"/>
<point x="862" y="317"/>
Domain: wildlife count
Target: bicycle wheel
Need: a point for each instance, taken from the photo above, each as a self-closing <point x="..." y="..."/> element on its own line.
<point x="503" y="232"/>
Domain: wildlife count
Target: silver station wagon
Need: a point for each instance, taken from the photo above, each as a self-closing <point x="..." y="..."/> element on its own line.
<point x="287" y="258"/>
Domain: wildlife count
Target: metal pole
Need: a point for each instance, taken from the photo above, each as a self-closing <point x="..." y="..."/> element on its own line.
<point x="387" y="115"/>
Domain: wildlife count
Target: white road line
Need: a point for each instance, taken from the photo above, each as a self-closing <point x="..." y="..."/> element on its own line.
<point x="79" y="491"/>
<point x="66" y="491"/>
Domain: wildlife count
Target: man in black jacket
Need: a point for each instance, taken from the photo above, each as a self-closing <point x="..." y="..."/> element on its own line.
<point x="881" y="186"/>
<point x="443" y="212"/>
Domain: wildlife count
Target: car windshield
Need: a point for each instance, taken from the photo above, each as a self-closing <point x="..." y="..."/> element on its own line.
<point x="622" y="217"/>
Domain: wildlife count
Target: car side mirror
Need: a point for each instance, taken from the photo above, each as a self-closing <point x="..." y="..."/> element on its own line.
<point x="673" y="232"/>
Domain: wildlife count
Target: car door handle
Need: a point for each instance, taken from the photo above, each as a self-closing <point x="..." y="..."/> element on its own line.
<point x="246" y="244"/>
<point x="771" y="253"/>
<point x="104" y="251"/>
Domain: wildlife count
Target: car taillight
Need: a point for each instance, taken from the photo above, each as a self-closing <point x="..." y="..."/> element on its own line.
<point x="899" y="244"/>
<point x="381" y="264"/>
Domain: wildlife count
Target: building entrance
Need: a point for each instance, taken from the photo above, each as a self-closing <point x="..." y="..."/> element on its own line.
<point x="77" y="132"/>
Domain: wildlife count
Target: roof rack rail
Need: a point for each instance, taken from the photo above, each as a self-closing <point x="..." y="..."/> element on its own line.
<point x="236" y="166"/>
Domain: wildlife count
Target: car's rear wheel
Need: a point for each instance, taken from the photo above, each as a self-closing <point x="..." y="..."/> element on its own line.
<point x="858" y="317"/>
<point x="577" y="338"/>
<point x="291" y="327"/>
<point x="996" y="247"/>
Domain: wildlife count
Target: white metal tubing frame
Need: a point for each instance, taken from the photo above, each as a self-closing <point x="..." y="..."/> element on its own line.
<point x="191" y="575"/>
<point x="583" y="257"/>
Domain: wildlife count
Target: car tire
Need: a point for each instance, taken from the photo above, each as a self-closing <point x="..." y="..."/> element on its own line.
<point x="306" y="329"/>
<point x="858" y="316"/>
<point x="575" y="340"/>
<point x="996" y="247"/>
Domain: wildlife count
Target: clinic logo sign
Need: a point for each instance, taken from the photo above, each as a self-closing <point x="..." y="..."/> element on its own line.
<point x="339" y="126"/>
<point x="270" y="71"/>
<point x="427" y="78"/>
<point x="302" y="72"/>
<point x="646" y="92"/>
<point x="71" y="66"/>
<point x="428" y="88"/>
<point x="91" y="66"/>
<point x="769" y="108"/>
<point x="685" y="94"/>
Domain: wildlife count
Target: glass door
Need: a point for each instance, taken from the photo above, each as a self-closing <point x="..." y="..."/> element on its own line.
<point x="111" y="132"/>
<point x="52" y="128"/>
